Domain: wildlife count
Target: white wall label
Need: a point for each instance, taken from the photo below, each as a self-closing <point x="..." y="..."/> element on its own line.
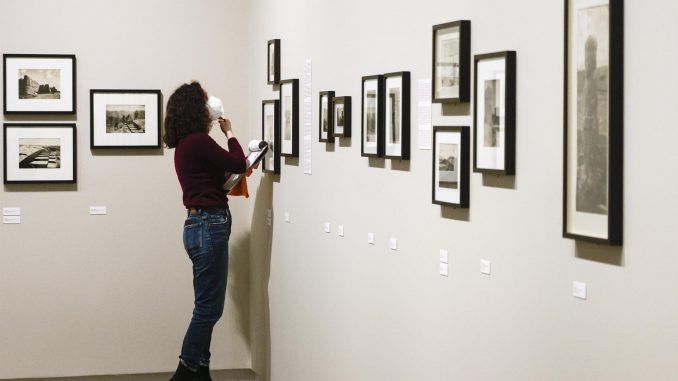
<point x="444" y="269"/>
<point x="287" y="217"/>
<point x="370" y="238"/>
<point x="328" y="227"/>
<point x="11" y="219"/>
<point x="11" y="211"/>
<point x="579" y="290"/>
<point x="269" y="213"/>
<point x="393" y="244"/>
<point x="98" y="210"/>
<point x="485" y="267"/>
<point x="340" y="230"/>
<point x="444" y="256"/>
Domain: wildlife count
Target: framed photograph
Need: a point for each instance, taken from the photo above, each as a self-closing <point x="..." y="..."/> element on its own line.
<point x="326" y="117"/>
<point x="494" y="113"/>
<point x="273" y="67"/>
<point x="270" y="132"/>
<point x="289" y="102"/>
<point x="372" y="119"/>
<point x="39" y="153"/>
<point x="125" y="118"/>
<point x="451" y="82"/>
<point x="39" y="84"/>
<point x="342" y="117"/>
<point x="593" y="121"/>
<point x="397" y="115"/>
<point x="451" y="166"/>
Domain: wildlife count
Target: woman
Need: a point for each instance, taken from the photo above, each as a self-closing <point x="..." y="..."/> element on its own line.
<point x="200" y="164"/>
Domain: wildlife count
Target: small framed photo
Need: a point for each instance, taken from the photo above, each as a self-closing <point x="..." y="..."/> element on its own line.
<point x="494" y="113"/>
<point x="451" y="167"/>
<point x="39" y="153"/>
<point x="593" y="168"/>
<point x="397" y="115"/>
<point x="326" y="117"/>
<point x="273" y="67"/>
<point x="270" y="132"/>
<point x="451" y="62"/>
<point x="372" y="119"/>
<point x="342" y="117"/>
<point x="289" y="103"/>
<point x="39" y="84"/>
<point x="125" y="118"/>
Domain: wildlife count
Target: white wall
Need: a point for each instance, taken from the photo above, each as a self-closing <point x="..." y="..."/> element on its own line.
<point x="84" y="295"/>
<point x="339" y="309"/>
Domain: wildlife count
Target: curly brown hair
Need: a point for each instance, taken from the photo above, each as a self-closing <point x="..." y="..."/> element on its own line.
<point x="186" y="113"/>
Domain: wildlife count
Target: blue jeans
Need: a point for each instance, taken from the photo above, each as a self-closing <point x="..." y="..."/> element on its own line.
<point x="206" y="242"/>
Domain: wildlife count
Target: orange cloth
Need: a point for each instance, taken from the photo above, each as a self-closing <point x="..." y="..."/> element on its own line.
<point x="240" y="189"/>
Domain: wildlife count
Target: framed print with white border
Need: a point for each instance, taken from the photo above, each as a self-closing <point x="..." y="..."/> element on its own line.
<point x="326" y="117"/>
<point x="273" y="67"/>
<point x="397" y="115"/>
<point x="342" y="117"/>
<point x="270" y="132"/>
<point x="372" y="116"/>
<point x="451" y="82"/>
<point x="450" y="177"/>
<point x="289" y="113"/>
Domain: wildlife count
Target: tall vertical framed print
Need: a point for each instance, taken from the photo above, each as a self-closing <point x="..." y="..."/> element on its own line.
<point x="125" y="118"/>
<point x="342" y="117"/>
<point x="270" y="132"/>
<point x="39" y="84"/>
<point x="273" y="67"/>
<point x="39" y="153"/>
<point x="593" y="121"/>
<point x="326" y="117"/>
<point x="397" y="115"/>
<point x="451" y="166"/>
<point x="372" y="116"/>
<point x="494" y="113"/>
<point x="451" y="82"/>
<point x="289" y="104"/>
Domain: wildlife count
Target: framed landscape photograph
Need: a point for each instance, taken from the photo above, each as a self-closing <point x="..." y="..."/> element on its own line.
<point x="593" y="121"/>
<point x="39" y="84"/>
<point x="125" y="118"/>
<point x="451" y="166"/>
<point x="270" y="132"/>
<point x="39" y="153"/>
<point x="273" y="67"/>
<point x="342" y="117"/>
<point x="451" y="82"/>
<point x="326" y="117"/>
<point x="494" y="113"/>
<point x="397" y="115"/>
<point x="372" y="119"/>
<point x="289" y="103"/>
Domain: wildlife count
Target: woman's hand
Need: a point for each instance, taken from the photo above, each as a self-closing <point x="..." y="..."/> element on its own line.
<point x="225" y="125"/>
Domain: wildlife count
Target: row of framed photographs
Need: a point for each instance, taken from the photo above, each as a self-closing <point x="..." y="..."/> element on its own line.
<point x="334" y="117"/>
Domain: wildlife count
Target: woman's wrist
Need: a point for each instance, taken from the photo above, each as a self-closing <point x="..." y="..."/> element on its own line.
<point x="230" y="134"/>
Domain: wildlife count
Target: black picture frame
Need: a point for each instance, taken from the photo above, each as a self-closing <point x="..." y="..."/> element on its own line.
<point x="276" y="134"/>
<point x="509" y="142"/>
<point x="276" y="62"/>
<point x="156" y="144"/>
<point x="464" y="62"/>
<point x="295" y="118"/>
<point x="405" y="116"/>
<point x="464" y="165"/>
<point x="346" y="102"/>
<point x="379" y="115"/>
<point x="330" y="116"/>
<point x="70" y="126"/>
<point x="7" y="111"/>
<point x="614" y="140"/>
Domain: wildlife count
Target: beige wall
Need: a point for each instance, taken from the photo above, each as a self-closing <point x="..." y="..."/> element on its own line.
<point x="343" y="310"/>
<point x="112" y="294"/>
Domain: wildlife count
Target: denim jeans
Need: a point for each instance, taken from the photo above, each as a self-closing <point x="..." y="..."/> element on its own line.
<point x="206" y="242"/>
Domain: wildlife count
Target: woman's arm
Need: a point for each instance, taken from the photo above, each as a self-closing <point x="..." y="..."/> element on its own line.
<point x="232" y="160"/>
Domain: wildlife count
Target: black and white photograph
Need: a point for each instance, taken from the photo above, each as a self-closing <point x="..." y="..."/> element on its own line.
<point x="39" y="153"/>
<point x="273" y="67"/>
<point x="289" y="104"/>
<point x="397" y="115"/>
<point x="451" y="169"/>
<point x="372" y="116"/>
<point x="593" y="121"/>
<point x="125" y="118"/>
<point x="39" y="84"/>
<point x="326" y="117"/>
<point x="270" y="131"/>
<point x="342" y="117"/>
<point x="494" y="110"/>
<point x="451" y="62"/>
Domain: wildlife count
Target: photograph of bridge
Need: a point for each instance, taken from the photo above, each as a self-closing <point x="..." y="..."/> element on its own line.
<point x="39" y="153"/>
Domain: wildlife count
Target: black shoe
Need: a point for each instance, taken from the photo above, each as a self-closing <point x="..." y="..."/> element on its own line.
<point x="204" y="373"/>
<point x="184" y="374"/>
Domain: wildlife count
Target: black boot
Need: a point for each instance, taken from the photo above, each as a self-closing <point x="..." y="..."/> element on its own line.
<point x="184" y="374"/>
<point x="204" y="373"/>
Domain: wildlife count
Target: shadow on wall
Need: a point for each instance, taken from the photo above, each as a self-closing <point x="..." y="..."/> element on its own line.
<point x="611" y="255"/>
<point x="238" y="263"/>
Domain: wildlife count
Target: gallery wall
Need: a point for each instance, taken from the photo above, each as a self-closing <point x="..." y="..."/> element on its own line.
<point x="86" y="295"/>
<point x="331" y="308"/>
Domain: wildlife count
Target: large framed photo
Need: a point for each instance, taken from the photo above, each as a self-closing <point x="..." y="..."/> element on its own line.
<point x="289" y="103"/>
<point x="372" y="119"/>
<point x="125" y="118"/>
<point x="593" y="121"/>
<point x="451" y="166"/>
<point x="273" y="67"/>
<point x="342" y="117"/>
<point x="39" y="84"/>
<point x="494" y="113"/>
<point x="451" y="62"/>
<point x="39" y="153"/>
<point x="270" y="132"/>
<point x="326" y="117"/>
<point x="397" y="115"/>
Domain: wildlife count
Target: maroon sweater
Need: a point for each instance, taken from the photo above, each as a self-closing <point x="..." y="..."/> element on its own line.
<point x="200" y="164"/>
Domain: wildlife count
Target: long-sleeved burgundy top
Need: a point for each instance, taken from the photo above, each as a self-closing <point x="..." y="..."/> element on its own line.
<point x="201" y="163"/>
